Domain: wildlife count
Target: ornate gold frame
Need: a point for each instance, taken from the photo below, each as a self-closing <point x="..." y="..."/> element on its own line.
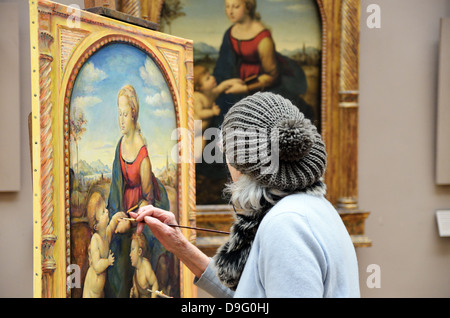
<point x="53" y="73"/>
<point x="340" y="106"/>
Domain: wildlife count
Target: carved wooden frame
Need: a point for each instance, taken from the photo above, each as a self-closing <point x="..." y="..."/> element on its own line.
<point x="52" y="82"/>
<point x="339" y="115"/>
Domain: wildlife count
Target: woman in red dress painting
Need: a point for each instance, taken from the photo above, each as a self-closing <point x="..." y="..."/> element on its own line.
<point x="254" y="47"/>
<point x="133" y="184"/>
<point x="134" y="159"/>
<point x="248" y="51"/>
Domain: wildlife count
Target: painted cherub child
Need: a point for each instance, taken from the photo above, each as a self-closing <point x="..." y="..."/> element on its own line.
<point x="144" y="278"/>
<point x="100" y="256"/>
<point x="206" y="92"/>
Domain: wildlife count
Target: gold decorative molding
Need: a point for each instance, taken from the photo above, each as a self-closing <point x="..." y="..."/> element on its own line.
<point x="171" y="57"/>
<point x="46" y="139"/>
<point x="189" y="64"/>
<point x="131" y="7"/>
<point x="348" y="104"/>
<point x="68" y="39"/>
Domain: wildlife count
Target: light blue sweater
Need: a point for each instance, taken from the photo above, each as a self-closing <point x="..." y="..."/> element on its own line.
<point x="301" y="249"/>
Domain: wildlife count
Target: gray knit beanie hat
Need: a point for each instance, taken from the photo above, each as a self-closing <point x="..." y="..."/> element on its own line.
<point x="265" y="136"/>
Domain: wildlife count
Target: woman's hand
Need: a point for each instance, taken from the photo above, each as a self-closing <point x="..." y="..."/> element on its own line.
<point x="237" y="87"/>
<point x="157" y="219"/>
<point x="171" y="237"/>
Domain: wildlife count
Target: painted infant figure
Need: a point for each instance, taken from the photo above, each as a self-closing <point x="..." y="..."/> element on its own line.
<point x="100" y="256"/>
<point x="144" y="278"/>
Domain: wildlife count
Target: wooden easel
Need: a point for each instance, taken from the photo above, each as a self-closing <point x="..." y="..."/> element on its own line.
<point x="107" y="8"/>
<point x="117" y="15"/>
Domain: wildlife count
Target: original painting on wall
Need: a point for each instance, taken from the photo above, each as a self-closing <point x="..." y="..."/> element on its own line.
<point x="282" y="53"/>
<point x="110" y="100"/>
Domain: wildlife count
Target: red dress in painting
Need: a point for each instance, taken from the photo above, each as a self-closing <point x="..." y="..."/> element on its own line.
<point x="247" y="51"/>
<point x="132" y="176"/>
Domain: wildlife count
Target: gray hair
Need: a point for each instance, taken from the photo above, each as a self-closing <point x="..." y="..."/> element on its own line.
<point x="249" y="195"/>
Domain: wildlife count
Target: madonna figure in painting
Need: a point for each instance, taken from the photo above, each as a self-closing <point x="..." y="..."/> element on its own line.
<point x="133" y="184"/>
<point x="248" y="52"/>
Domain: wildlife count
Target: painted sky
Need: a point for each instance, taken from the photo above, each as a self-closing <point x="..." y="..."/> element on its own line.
<point x="95" y="94"/>
<point x="292" y="22"/>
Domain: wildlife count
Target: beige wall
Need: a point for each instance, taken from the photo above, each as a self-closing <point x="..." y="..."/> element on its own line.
<point x="398" y="80"/>
<point x="396" y="158"/>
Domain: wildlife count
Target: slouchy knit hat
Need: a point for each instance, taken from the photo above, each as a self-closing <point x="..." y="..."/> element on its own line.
<point x="266" y="137"/>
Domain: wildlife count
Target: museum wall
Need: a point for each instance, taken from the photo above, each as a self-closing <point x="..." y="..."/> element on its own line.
<point x="398" y="86"/>
<point x="398" y="94"/>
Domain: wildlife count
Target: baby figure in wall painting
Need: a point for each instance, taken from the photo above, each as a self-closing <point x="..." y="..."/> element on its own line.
<point x="206" y="92"/>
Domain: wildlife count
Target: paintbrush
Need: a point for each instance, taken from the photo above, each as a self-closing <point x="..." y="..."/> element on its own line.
<point x="185" y="227"/>
<point x="133" y="208"/>
<point x="159" y="293"/>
